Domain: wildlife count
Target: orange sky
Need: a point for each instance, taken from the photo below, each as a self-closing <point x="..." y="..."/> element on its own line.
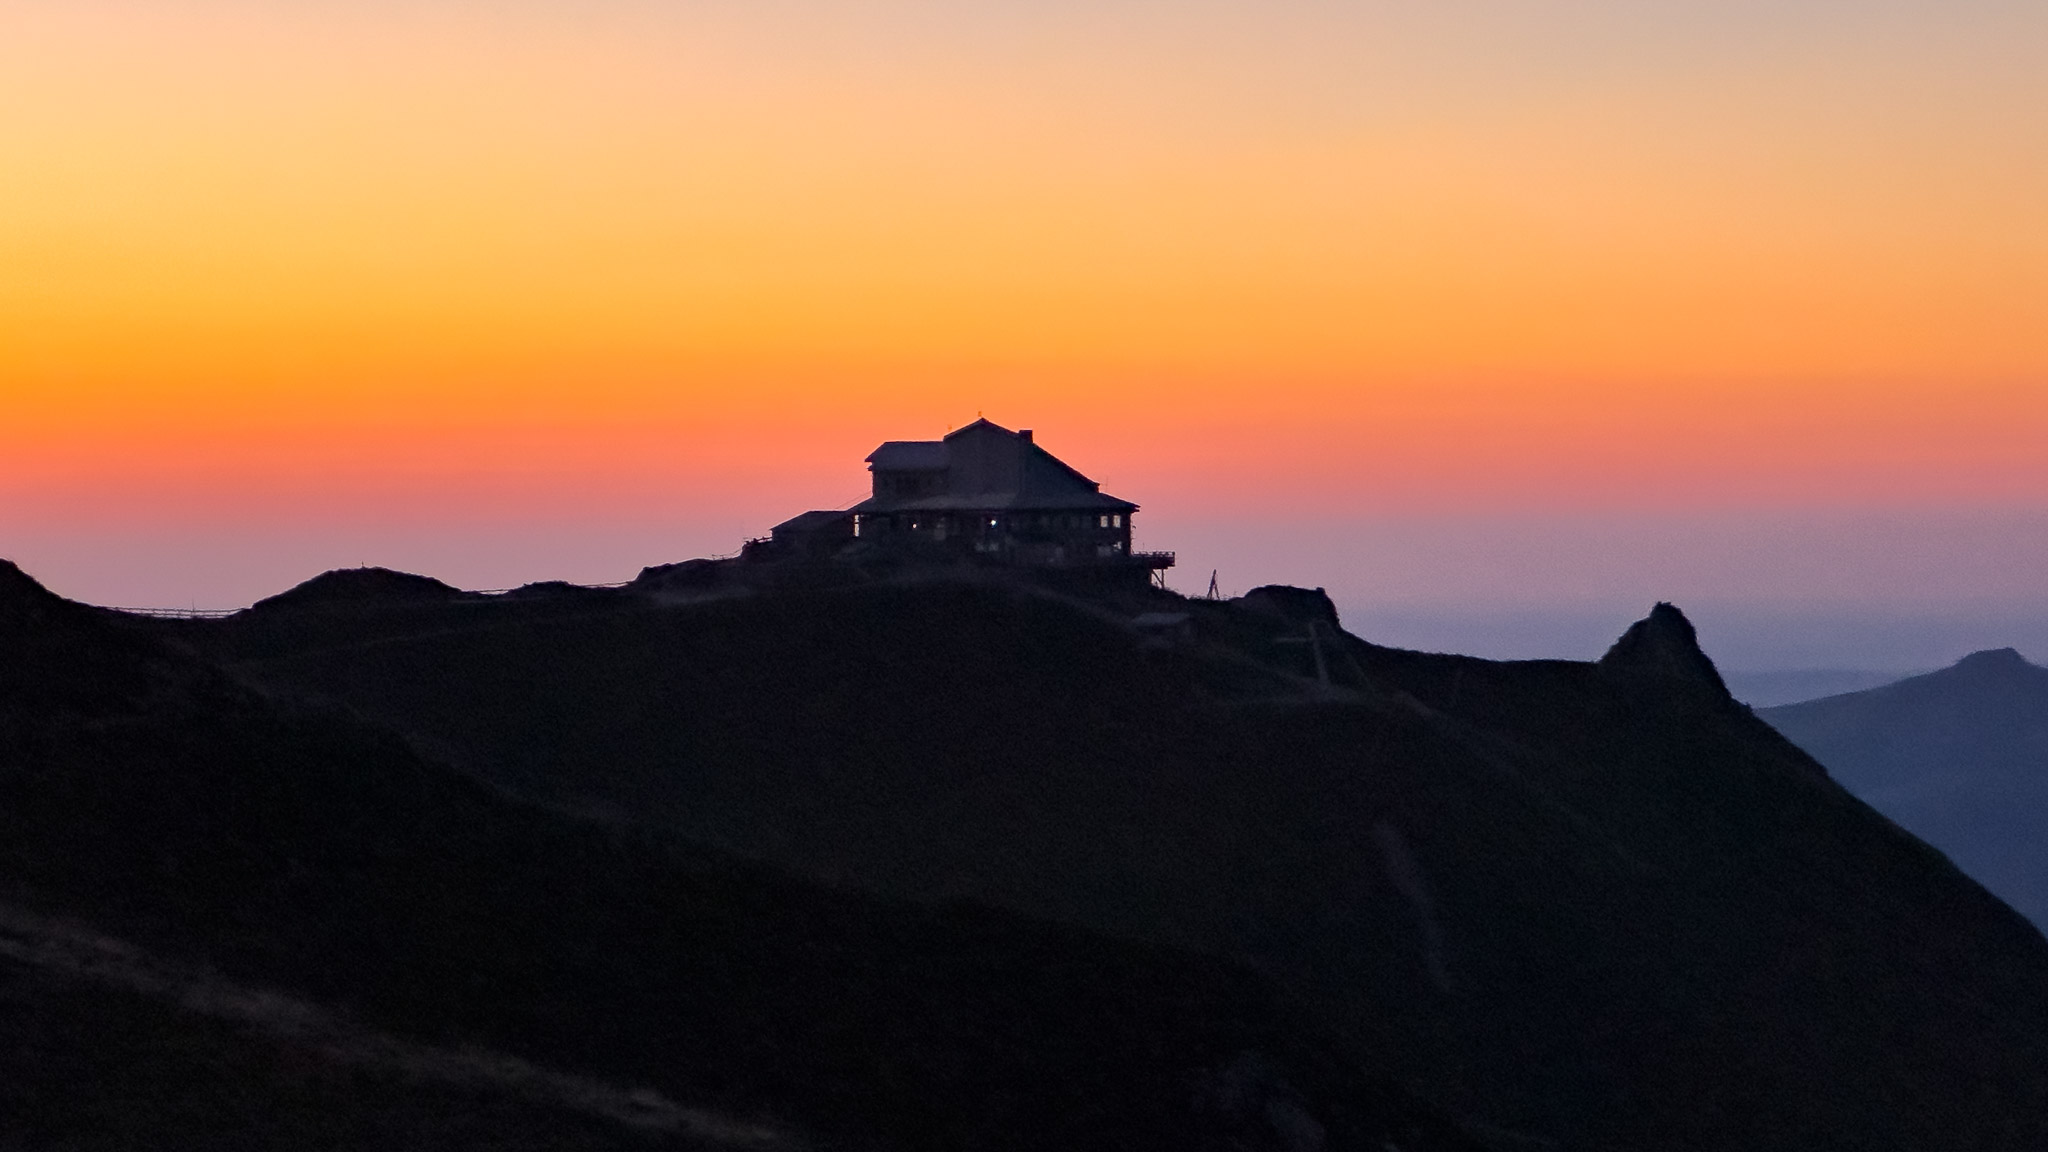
<point x="453" y="261"/>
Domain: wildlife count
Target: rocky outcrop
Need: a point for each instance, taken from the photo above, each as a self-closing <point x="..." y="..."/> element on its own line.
<point x="1664" y="644"/>
<point x="1295" y="605"/>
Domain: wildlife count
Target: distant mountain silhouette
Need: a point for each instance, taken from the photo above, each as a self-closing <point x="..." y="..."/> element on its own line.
<point x="1770" y="688"/>
<point x="1958" y="757"/>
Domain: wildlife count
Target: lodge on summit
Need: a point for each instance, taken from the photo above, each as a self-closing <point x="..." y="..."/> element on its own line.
<point x="983" y="493"/>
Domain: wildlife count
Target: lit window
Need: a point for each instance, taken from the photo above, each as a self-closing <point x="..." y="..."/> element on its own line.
<point x="1102" y="521"/>
<point x="1117" y="521"/>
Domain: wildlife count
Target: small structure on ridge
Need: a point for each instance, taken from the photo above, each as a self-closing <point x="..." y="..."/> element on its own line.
<point x="983" y="492"/>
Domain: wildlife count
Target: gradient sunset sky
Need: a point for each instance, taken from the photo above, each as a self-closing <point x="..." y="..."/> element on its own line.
<point x="1501" y="320"/>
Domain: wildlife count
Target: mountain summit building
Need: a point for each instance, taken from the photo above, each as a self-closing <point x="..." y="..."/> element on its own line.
<point x="983" y="492"/>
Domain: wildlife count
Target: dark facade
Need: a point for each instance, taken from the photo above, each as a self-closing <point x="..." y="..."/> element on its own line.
<point x="985" y="492"/>
<point x="813" y="533"/>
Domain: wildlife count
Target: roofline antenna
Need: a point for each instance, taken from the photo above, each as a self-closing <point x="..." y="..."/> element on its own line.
<point x="1213" y="593"/>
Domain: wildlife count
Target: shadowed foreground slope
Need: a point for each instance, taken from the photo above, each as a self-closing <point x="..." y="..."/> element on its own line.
<point x="227" y="920"/>
<point x="1596" y="904"/>
<point x="1958" y="757"/>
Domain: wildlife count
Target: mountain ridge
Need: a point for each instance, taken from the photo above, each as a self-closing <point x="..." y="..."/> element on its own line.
<point x="168" y="822"/>
<point x="1491" y="874"/>
<point x="1599" y="905"/>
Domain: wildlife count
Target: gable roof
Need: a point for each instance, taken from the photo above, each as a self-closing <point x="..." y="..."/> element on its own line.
<point x="997" y="502"/>
<point x="988" y="467"/>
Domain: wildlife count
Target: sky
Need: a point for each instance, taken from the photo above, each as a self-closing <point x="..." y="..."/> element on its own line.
<point x="1500" y="320"/>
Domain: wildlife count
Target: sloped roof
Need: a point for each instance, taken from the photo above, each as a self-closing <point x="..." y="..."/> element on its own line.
<point x="909" y="456"/>
<point x="989" y="468"/>
<point x="1000" y="502"/>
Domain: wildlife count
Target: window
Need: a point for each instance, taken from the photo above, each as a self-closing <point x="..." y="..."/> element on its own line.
<point x="1102" y="521"/>
<point x="1116" y="521"/>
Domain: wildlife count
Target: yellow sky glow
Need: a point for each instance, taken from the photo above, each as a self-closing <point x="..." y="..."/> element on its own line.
<point x="258" y="241"/>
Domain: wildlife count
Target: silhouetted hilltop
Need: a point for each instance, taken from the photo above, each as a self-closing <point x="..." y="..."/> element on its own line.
<point x="26" y="607"/>
<point x="362" y="588"/>
<point x="1299" y="605"/>
<point x="555" y="589"/>
<point x="1959" y="757"/>
<point x="227" y="919"/>
<point x="2004" y="667"/>
<point x="1591" y="904"/>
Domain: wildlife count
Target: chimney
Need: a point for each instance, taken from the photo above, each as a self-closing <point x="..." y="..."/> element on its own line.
<point x="1024" y="434"/>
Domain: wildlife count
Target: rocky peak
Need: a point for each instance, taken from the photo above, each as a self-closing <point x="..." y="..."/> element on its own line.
<point x="1665" y="644"/>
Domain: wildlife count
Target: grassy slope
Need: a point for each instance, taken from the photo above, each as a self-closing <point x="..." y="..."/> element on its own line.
<point x="1601" y="903"/>
<point x="90" y="1066"/>
<point x="148" y="795"/>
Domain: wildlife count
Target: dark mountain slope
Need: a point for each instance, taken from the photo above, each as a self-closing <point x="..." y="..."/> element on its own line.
<point x="1598" y="903"/>
<point x="1958" y="757"/>
<point x="93" y="1061"/>
<point x="229" y="843"/>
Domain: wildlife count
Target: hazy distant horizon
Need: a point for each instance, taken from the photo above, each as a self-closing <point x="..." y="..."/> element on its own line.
<point x="1892" y="592"/>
